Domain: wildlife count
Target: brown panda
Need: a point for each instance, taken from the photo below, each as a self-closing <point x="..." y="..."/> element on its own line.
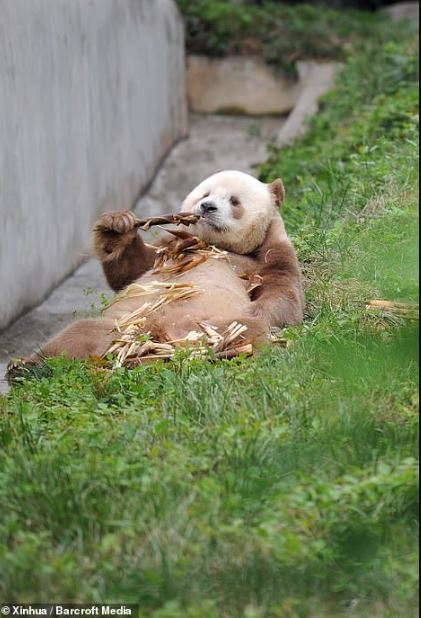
<point x="238" y="214"/>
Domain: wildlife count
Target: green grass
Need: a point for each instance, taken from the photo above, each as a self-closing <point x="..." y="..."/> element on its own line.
<point x="277" y="31"/>
<point x="279" y="486"/>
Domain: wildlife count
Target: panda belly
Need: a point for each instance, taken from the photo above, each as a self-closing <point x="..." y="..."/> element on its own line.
<point x="221" y="298"/>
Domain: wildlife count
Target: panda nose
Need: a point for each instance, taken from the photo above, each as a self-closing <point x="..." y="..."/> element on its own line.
<point x="206" y="207"/>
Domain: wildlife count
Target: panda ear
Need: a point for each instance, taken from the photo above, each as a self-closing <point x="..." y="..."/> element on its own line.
<point x="277" y="189"/>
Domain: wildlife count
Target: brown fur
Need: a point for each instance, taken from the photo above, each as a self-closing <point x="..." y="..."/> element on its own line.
<point x="275" y="301"/>
<point x="278" y="192"/>
<point x="123" y="254"/>
<point x="79" y="340"/>
<point x="279" y="300"/>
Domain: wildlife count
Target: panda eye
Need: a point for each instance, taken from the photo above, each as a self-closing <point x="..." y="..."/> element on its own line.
<point x="234" y="201"/>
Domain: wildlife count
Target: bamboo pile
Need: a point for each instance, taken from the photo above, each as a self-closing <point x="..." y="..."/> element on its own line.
<point x="133" y="344"/>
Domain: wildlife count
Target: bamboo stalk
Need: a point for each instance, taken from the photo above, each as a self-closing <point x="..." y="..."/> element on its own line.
<point x="182" y="218"/>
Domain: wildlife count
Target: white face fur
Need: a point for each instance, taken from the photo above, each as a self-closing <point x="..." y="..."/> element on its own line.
<point x="236" y="210"/>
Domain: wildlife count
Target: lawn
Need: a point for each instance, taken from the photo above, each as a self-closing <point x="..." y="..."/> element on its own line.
<point x="281" y="486"/>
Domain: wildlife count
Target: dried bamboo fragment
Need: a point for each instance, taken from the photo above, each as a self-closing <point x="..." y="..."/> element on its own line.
<point x="275" y="336"/>
<point x="405" y="310"/>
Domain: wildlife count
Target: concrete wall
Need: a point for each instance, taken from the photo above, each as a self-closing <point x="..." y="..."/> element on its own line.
<point x="91" y="99"/>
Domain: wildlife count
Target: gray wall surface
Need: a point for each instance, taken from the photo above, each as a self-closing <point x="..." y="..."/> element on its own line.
<point x="92" y="97"/>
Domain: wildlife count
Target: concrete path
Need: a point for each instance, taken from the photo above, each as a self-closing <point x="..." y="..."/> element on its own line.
<point x="215" y="143"/>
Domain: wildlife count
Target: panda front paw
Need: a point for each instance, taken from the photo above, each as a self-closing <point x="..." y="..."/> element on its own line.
<point x="120" y="222"/>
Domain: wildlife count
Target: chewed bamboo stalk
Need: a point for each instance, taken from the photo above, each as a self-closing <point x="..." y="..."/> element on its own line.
<point x="182" y="218"/>
<point x="184" y="253"/>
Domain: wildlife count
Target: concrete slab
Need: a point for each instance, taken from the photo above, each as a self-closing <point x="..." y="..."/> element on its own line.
<point x="78" y="296"/>
<point x="4" y="387"/>
<point x="215" y="143"/>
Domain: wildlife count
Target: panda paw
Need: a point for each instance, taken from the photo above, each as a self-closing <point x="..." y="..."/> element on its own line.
<point x="120" y="222"/>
